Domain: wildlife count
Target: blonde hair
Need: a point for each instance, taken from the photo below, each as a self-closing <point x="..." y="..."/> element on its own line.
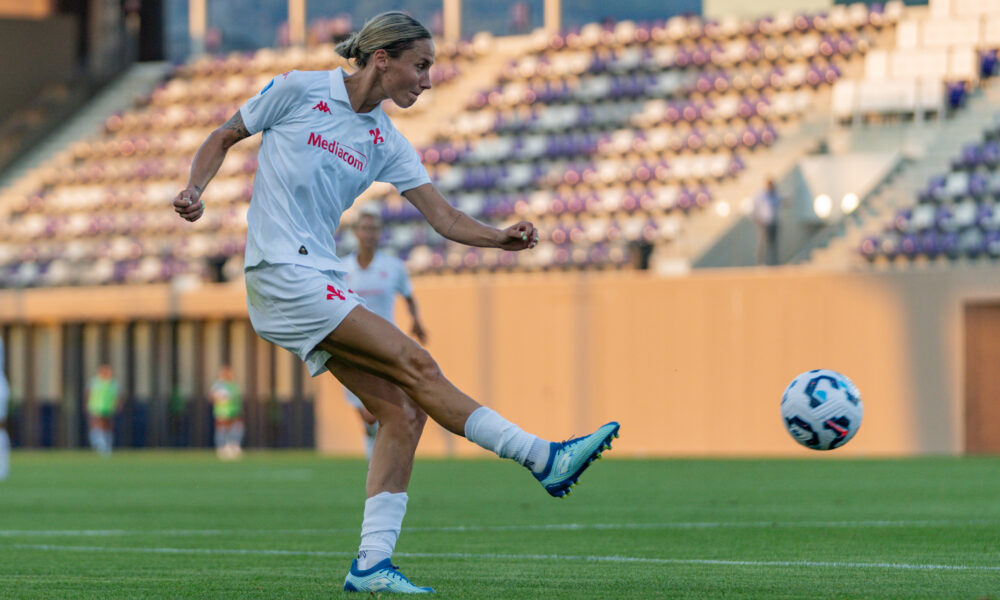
<point x="392" y="31"/>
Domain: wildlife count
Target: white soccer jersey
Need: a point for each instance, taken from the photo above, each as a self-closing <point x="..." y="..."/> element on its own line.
<point x="385" y="277"/>
<point x="317" y="155"/>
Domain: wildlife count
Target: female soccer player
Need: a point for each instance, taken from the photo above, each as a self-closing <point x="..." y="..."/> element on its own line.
<point x="325" y="140"/>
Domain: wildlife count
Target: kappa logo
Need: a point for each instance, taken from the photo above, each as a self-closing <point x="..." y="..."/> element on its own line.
<point x="335" y="293"/>
<point x="322" y="107"/>
<point x="376" y="136"/>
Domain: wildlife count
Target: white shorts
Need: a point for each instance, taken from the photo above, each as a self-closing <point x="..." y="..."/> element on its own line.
<point x="296" y="307"/>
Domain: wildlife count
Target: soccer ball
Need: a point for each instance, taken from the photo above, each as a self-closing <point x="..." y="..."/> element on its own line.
<point x="821" y="409"/>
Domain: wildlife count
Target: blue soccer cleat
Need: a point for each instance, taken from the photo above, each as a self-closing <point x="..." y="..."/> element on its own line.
<point x="383" y="577"/>
<point x="567" y="460"/>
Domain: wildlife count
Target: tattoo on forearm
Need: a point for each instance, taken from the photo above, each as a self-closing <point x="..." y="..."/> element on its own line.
<point x="198" y="188"/>
<point x="235" y="123"/>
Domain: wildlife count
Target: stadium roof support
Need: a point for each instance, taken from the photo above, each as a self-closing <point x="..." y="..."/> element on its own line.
<point x="452" y="10"/>
<point x="197" y="20"/>
<point x="297" y="22"/>
<point x="553" y="16"/>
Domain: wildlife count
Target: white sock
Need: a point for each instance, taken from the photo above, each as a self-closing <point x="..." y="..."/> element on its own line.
<point x="4" y="454"/>
<point x="95" y="439"/>
<point x="380" y="529"/>
<point x="220" y="437"/>
<point x="370" y="431"/>
<point x="108" y="441"/>
<point x="235" y="434"/>
<point x="491" y="431"/>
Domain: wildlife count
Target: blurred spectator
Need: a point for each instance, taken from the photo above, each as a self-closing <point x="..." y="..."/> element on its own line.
<point x="103" y="402"/>
<point x="765" y="217"/>
<point x="227" y="408"/>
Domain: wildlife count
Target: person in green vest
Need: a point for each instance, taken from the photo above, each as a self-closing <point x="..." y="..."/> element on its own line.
<point x="227" y="408"/>
<point x="103" y="402"/>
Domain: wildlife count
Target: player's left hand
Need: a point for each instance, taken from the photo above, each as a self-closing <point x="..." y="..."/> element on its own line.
<point x="519" y="236"/>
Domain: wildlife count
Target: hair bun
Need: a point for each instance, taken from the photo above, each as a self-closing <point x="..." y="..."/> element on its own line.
<point x="349" y="47"/>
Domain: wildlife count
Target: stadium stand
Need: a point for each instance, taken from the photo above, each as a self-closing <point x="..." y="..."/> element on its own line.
<point x="955" y="216"/>
<point x="611" y="138"/>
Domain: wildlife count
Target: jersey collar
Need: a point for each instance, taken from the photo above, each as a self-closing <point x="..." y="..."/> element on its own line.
<point x="338" y="92"/>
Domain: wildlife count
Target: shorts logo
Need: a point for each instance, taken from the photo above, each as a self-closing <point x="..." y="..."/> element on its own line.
<point x="376" y="136"/>
<point x="335" y="293"/>
<point x="350" y="156"/>
<point x="322" y="107"/>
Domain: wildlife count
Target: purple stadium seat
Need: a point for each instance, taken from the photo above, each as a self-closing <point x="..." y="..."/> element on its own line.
<point x="956" y="93"/>
<point x="991" y="243"/>
<point x="869" y="247"/>
<point x="988" y="63"/>
<point x="990" y="154"/>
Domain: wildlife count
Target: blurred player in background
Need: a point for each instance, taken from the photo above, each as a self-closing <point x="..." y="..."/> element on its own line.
<point x="227" y="408"/>
<point x="4" y="438"/>
<point x="377" y="277"/>
<point x="766" y="205"/>
<point x="103" y="402"/>
<point x="325" y="140"/>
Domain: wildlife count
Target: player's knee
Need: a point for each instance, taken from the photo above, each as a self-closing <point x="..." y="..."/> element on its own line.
<point x="406" y="419"/>
<point x="421" y="369"/>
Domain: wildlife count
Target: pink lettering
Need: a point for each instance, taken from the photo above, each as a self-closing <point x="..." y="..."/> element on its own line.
<point x="346" y="154"/>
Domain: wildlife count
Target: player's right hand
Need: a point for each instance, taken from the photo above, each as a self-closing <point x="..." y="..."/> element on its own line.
<point x="188" y="204"/>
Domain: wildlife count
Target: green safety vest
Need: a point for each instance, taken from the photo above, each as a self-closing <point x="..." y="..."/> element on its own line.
<point x="102" y="398"/>
<point x="231" y="405"/>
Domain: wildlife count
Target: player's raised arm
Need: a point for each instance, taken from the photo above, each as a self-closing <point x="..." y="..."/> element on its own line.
<point x="460" y="227"/>
<point x="206" y="163"/>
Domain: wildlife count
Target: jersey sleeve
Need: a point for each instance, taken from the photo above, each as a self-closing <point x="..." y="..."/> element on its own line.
<point x="403" y="285"/>
<point x="277" y="99"/>
<point x="403" y="169"/>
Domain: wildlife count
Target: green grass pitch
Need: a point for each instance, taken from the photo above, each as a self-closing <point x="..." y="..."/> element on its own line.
<point x="285" y="525"/>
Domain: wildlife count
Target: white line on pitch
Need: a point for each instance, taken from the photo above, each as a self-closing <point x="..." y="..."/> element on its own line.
<point x="555" y="557"/>
<point x="488" y="528"/>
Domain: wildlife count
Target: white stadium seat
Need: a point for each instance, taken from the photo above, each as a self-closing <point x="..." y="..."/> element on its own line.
<point x="907" y="34"/>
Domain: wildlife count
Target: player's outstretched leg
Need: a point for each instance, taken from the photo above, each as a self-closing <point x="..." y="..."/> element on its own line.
<point x="567" y="460"/>
<point x="383" y="577"/>
<point x="370" y="344"/>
